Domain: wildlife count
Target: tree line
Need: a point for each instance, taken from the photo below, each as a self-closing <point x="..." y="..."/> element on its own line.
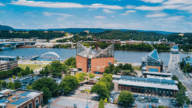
<point x="30" y="34"/>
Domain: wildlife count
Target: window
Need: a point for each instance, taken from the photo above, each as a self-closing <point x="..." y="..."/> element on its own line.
<point x="30" y="105"/>
<point x="37" y="103"/>
<point x="25" y="107"/>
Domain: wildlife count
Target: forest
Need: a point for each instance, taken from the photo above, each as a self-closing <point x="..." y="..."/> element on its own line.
<point x="30" y="34"/>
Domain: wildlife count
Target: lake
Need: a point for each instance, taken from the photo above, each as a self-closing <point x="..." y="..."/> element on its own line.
<point x="120" y="56"/>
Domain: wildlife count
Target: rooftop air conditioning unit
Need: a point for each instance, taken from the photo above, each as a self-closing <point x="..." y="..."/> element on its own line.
<point x="13" y="98"/>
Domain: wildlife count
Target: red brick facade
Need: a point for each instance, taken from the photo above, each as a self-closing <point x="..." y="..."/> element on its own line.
<point x="81" y="63"/>
<point x="99" y="64"/>
<point x="33" y="101"/>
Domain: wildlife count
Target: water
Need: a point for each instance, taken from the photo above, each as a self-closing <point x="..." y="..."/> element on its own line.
<point x="120" y="56"/>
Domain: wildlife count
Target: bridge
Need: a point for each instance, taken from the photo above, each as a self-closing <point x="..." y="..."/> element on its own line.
<point x="10" y="45"/>
<point x="49" y="56"/>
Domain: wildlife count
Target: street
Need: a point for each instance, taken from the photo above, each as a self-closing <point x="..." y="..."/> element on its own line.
<point x="175" y="70"/>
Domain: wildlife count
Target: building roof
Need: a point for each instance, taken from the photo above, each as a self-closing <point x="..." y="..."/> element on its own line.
<point x="154" y="54"/>
<point x="188" y="60"/>
<point x="90" y="53"/>
<point x="18" y="97"/>
<point x="7" y="56"/>
<point x="147" y="80"/>
<point x="144" y="84"/>
<point x="157" y="73"/>
<point x="175" y="47"/>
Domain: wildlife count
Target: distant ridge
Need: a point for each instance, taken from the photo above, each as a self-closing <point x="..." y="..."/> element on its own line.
<point x="94" y="30"/>
<point x="2" y="27"/>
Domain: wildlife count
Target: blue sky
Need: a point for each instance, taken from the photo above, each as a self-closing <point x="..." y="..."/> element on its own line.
<point x="161" y="15"/>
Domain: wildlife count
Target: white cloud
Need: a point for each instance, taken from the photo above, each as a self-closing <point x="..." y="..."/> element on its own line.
<point x="100" y="17"/>
<point x="156" y="15"/>
<point x="49" y="14"/>
<point x="149" y="8"/>
<point x="2" y="11"/>
<point x="23" y="24"/>
<point x="128" y="11"/>
<point x="1" y="4"/>
<point x="130" y="6"/>
<point x="108" y="11"/>
<point x="173" y="18"/>
<point x="158" y="8"/>
<point x="178" y="2"/>
<point x="153" y="1"/>
<point x="62" y="4"/>
<point x="104" y="6"/>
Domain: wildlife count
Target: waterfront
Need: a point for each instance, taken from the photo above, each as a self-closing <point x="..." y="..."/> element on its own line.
<point x="120" y="56"/>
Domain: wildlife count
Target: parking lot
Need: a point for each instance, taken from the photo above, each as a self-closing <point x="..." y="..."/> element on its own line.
<point x="80" y="100"/>
<point x="143" y="101"/>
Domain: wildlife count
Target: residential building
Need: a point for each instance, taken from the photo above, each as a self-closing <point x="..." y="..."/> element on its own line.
<point x="147" y="86"/>
<point x="94" y="61"/>
<point x="152" y="62"/>
<point x="20" y="98"/>
<point x="8" y="63"/>
<point x="134" y="42"/>
<point x="86" y="31"/>
<point x="110" y="41"/>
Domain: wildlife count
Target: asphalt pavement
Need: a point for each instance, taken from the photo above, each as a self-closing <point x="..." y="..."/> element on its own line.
<point x="175" y="70"/>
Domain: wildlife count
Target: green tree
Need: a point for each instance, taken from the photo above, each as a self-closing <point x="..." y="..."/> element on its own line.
<point x="29" y="87"/>
<point x="187" y="68"/>
<point x="46" y="94"/>
<point x="4" y="84"/>
<point x="42" y="72"/>
<point x="17" y="57"/>
<point x="17" y="85"/>
<point x="101" y="104"/>
<point x="126" y="97"/>
<point x="80" y="76"/>
<point x="19" y="75"/>
<point x="47" y="82"/>
<point x="11" y="86"/>
<point x="180" y="98"/>
<point x="71" y="62"/>
<point x="161" y="106"/>
<point x="69" y="83"/>
<point x="24" y="73"/>
<point x="31" y="72"/>
<point x="14" y="77"/>
<point x="27" y="70"/>
<point x="91" y="75"/>
<point x="116" y="70"/>
<point x="188" y="101"/>
<point x="174" y="77"/>
<point x="101" y="89"/>
<point x="105" y="101"/>
<point x="46" y="71"/>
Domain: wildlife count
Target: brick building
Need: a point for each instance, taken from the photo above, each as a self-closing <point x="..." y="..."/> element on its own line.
<point x="20" y="98"/>
<point x="94" y="61"/>
<point x="148" y="86"/>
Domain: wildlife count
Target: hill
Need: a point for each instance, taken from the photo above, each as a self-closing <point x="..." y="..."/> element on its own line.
<point x="5" y="27"/>
<point x="94" y="30"/>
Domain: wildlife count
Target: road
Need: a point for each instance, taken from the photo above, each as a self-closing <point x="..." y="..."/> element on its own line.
<point x="174" y="69"/>
<point x="54" y="40"/>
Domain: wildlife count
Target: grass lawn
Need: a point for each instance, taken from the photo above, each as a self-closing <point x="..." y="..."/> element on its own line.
<point x="32" y="66"/>
<point x="137" y="68"/>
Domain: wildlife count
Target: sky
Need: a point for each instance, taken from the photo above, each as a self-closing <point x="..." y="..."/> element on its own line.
<point x="156" y="15"/>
